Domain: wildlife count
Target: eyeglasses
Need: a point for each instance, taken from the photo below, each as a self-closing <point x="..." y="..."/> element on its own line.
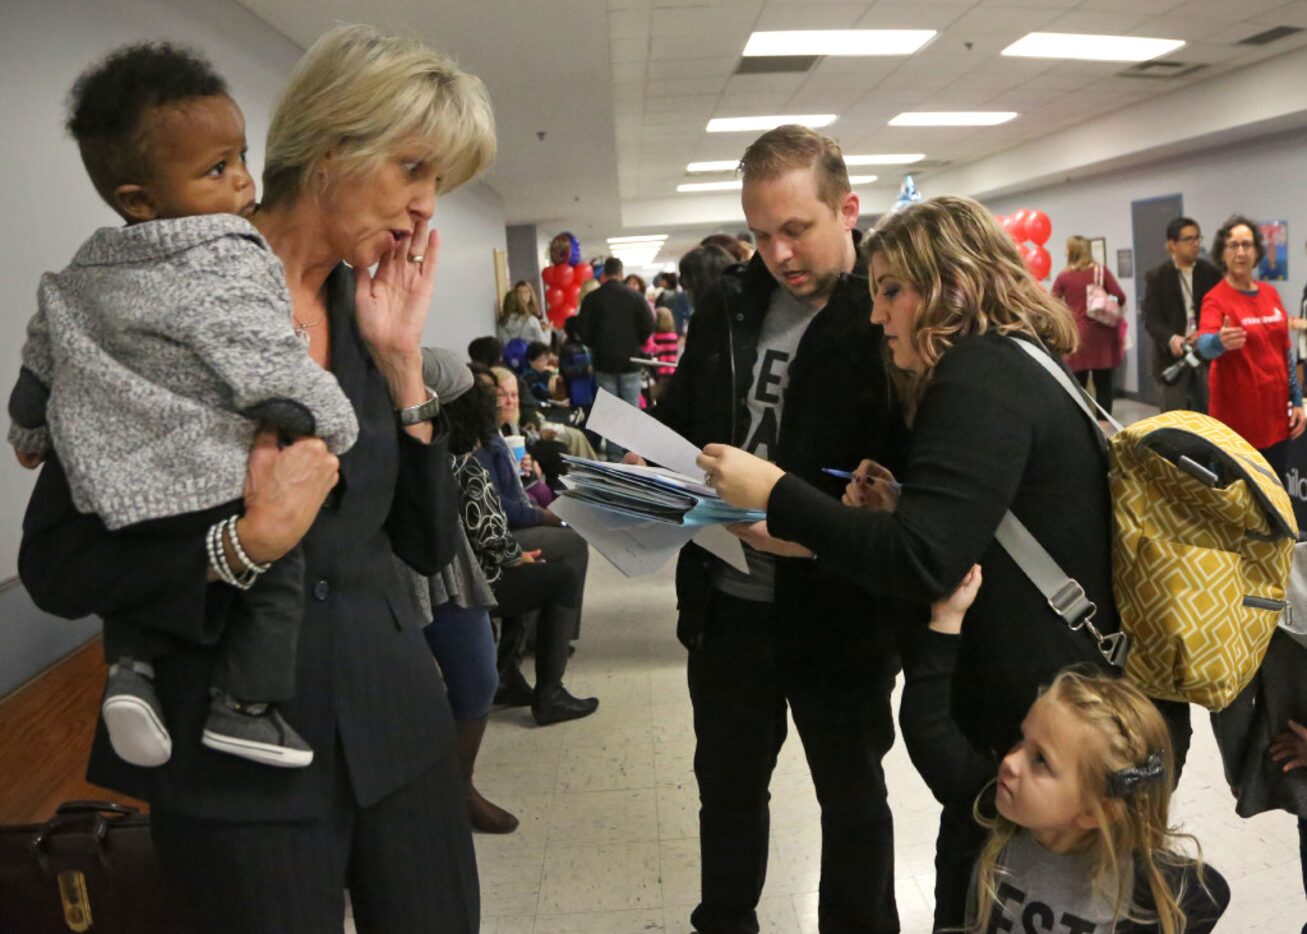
<point x="1237" y="245"/>
<point x="1193" y="238"/>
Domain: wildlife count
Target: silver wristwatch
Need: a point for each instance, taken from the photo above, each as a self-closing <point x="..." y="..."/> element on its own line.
<point x="422" y="412"/>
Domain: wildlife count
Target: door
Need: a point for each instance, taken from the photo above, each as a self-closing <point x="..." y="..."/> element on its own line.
<point x="1148" y="220"/>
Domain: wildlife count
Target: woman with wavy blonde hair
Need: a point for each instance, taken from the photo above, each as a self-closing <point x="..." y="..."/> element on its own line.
<point x="993" y="432"/>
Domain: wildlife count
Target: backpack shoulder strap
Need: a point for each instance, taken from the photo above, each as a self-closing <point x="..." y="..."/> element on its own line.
<point x="1065" y="595"/>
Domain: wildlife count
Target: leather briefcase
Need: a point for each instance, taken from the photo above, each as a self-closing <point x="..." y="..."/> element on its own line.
<point x="90" y="867"/>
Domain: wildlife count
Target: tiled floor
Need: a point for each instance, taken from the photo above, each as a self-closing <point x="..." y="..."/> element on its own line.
<point x="609" y="810"/>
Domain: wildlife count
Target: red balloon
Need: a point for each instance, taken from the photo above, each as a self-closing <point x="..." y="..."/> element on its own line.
<point x="1038" y="261"/>
<point x="1005" y="221"/>
<point x="1018" y="227"/>
<point x="557" y="297"/>
<point x="584" y="273"/>
<point x="573" y="292"/>
<point x="1038" y="227"/>
<point x="562" y="275"/>
<point x="547" y="275"/>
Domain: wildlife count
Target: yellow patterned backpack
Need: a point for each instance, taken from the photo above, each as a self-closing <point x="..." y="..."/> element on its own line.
<point x="1203" y="538"/>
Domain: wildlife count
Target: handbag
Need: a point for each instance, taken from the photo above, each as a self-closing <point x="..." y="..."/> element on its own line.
<point x="1101" y="305"/>
<point x="90" y="867"/>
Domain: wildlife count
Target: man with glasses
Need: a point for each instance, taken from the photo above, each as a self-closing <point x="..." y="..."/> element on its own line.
<point x="1173" y="298"/>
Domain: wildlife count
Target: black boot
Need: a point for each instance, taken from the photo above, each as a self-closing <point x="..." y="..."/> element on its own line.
<point x="552" y="703"/>
<point x="513" y="690"/>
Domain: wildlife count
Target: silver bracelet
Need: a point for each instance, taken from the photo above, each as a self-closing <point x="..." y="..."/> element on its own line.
<point x="240" y="552"/>
<point x="218" y="558"/>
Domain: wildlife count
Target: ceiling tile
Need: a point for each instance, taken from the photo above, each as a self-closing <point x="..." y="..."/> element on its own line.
<point x="1150" y="7"/>
<point x="624" y="51"/>
<point x="1007" y="19"/>
<point x="628" y="24"/>
<point x="924" y="15"/>
<point x="788" y="14"/>
<point x="1291" y="14"/>
<point x="718" y="67"/>
<point x="1242" y="9"/>
<point x="1095" y="22"/>
<point x="681" y="87"/>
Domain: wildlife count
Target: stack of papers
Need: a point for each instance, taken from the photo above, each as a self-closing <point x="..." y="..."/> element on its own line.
<point x="639" y="517"/>
<point x="650" y="493"/>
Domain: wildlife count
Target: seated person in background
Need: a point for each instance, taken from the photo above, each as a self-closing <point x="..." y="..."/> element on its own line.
<point x="546" y="440"/>
<point x="576" y="367"/>
<point x="539" y="377"/>
<point x="183" y="311"/>
<point x="524" y="580"/>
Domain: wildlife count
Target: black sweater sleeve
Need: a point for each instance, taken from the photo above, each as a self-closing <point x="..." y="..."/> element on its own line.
<point x="969" y="451"/>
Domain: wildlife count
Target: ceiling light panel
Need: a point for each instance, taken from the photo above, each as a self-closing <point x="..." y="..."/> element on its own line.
<point x="640" y="238"/>
<point x="1070" y="45"/>
<point x="723" y="165"/>
<point x="734" y="185"/>
<point x="762" y="124"/>
<point x="953" y="118"/>
<point x="887" y="158"/>
<point x="841" y="42"/>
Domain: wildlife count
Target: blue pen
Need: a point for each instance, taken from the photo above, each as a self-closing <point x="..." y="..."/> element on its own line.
<point x="848" y="475"/>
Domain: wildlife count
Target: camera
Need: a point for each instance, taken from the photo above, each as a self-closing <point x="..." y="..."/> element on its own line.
<point x="1171" y="375"/>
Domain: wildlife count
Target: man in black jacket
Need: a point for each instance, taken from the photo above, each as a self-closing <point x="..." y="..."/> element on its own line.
<point x="1173" y="302"/>
<point x="781" y="359"/>
<point x="615" y="322"/>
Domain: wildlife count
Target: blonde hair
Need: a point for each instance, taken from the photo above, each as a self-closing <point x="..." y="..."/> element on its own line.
<point x="1128" y="730"/>
<point x="512" y="305"/>
<point x="360" y="96"/>
<point x="971" y="280"/>
<point x="1078" y="254"/>
<point x="664" y="320"/>
<point x="791" y="147"/>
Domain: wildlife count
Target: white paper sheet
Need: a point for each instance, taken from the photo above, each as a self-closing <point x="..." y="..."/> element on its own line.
<point x="723" y="544"/>
<point x="633" y="546"/>
<point x="625" y="425"/>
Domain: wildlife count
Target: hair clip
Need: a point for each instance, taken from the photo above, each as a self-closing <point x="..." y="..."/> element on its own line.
<point x="1123" y="781"/>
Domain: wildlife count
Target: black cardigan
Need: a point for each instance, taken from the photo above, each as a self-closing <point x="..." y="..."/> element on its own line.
<point x="366" y="687"/>
<point x="993" y="432"/>
<point x="839" y="408"/>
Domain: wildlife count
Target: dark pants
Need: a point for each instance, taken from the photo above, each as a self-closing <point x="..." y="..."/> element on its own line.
<point x="755" y="659"/>
<point x="555" y="592"/>
<point x="1187" y="392"/>
<point x="260" y="635"/>
<point x="1102" y="386"/>
<point x="407" y="861"/>
<point x="560" y="545"/>
<point x="464" y="647"/>
<point x="1277" y="455"/>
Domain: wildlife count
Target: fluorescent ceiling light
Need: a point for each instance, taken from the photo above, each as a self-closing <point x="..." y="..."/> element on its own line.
<point x="737" y="184"/>
<point x="1091" y="48"/>
<point x="734" y="185"/>
<point x="756" y="124"/>
<point x="953" y="118"/>
<point x="838" y="42"/>
<point x="725" y="165"/>
<point x="642" y="238"/>
<point x="888" y="158"/>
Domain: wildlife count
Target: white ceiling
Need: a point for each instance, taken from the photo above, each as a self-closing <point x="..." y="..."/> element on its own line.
<point x="624" y="88"/>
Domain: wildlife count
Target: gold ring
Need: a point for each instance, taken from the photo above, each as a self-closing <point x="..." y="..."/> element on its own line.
<point x="416" y="259"/>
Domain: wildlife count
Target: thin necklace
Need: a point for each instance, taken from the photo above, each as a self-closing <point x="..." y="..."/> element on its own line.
<point x="302" y="330"/>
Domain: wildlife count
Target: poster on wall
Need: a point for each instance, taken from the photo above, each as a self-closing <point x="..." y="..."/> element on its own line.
<point x="1275" y="239"/>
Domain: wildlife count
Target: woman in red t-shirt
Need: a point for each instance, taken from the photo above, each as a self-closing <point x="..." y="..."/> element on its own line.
<point x="1244" y="331"/>
<point x="1101" y="346"/>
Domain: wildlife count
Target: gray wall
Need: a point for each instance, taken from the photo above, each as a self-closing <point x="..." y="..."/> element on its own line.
<point x="1260" y="178"/>
<point x="49" y="208"/>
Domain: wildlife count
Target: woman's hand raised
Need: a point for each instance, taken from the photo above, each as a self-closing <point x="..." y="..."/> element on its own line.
<point x="392" y="304"/>
<point x="284" y="489"/>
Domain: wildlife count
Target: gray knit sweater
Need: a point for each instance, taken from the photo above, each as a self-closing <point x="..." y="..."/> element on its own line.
<point x="152" y="342"/>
